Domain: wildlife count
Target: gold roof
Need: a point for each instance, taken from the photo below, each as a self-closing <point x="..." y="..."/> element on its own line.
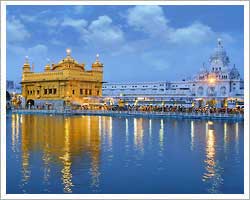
<point x="68" y="63"/>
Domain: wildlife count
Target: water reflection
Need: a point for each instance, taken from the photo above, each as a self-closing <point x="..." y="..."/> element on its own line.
<point x="79" y="154"/>
<point x="61" y="140"/>
<point x="161" y="135"/>
<point x="15" y="132"/>
<point x="237" y="137"/>
<point x="150" y="127"/>
<point x="213" y="173"/>
<point x="138" y="133"/>
<point x="108" y="127"/>
<point x="66" y="160"/>
<point x="126" y="121"/>
<point x="226" y="138"/>
<point x="192" y="135"/>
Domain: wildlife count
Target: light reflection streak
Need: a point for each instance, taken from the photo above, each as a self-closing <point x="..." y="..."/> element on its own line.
<point x="15" y="132"/>
<point x="161" y="135"/>
<point x="126" y="120"/>
<point x="95" y="151"/>
<point x="225" y="137"/>
<point x="110" y="132"/>
<point x="13" y="135"/>
<point x="150" y="127"/>
<point x="100" y="125"/>
<point x="25" y="157"/>
<point x="213" y="174"/>
<point x="237" y="137"/>
<point x="88" y="129"/>
<point x="192" y="135"/>
<point x="138" y="133"/>
<point x="66" y="171"/>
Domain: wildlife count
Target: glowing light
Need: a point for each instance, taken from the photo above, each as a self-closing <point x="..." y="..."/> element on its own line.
<point x="211" y="80"/>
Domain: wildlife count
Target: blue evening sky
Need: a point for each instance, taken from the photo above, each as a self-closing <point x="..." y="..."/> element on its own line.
<point x="135" y="43"/>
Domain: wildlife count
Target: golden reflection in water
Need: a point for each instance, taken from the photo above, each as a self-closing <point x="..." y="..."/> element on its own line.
<point x="25" y="146"/>
<point x="66" y="171"/>
<point x="161" y="135"/>
<point x="213" y="170"/>
<point x="192" y="135"/>
<point x="60" y="139"/>
<point x="100" y="125"/>
<point x="138" y="133"/>
<point x="15" y="132"/>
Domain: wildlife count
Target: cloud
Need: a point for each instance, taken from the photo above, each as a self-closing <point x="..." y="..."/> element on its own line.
<point x="149" y="19"/>
<point x="29" y="18"/>
<point x="38" y="50"/>
<point x="195" y="33"/>
<point x="98" y="34"/>
<point x="152" y="21"/>
<point x="78" y="9"/>
<point x="51" y="22"/>
<point x="16" y="31"/>
<point x="78" y="24"/>
<point x="102" y="31"/>
<point x="41" y="18"/>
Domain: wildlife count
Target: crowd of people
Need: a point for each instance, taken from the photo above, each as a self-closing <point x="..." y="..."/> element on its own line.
<point x="166" y="108"/>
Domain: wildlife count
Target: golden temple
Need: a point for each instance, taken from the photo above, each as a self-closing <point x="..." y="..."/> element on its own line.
<point x="61" y="84"/>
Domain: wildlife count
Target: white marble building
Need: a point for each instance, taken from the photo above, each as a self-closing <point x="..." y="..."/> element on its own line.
<point x="221" y="81"/>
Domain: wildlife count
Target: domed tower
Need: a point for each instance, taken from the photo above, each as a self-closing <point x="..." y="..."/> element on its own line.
<point x="234" y="73"/>
<point x="26" y="65"/>
<point x="97" y="70"/>
<point x="68" y="63"/>
<point x="97" y="66"/>
<point x="219" y="60"/>
<point x="47" y="68"/>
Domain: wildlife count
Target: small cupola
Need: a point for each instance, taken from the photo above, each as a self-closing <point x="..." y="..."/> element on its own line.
<point x="97" y="65"/>
<point x="26" y="65"/>
<point x="47" y="67"/>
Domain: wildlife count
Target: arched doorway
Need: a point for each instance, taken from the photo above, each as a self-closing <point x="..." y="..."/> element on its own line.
<point x="30" y="103"/>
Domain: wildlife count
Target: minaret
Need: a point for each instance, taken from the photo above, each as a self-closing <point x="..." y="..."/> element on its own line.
<point x="26" y="65"/>
<point x="97" y="70"/>
<point x="97" y="66"/>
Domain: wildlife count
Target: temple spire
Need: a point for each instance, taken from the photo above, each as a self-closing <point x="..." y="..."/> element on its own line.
<point x="219" y="42"/>
<point x="97" y="57"/>
<point x="26" y="59"/>
<point x="68" y="51"/>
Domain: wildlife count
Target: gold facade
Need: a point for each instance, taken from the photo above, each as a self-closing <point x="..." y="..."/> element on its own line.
<point x="67" y="80"/>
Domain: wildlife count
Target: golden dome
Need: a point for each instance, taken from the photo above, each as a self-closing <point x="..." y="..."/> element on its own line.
<point x="68" y="63"/>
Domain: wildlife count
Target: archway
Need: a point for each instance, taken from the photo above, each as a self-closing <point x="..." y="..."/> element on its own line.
<point x="30" y="103"/>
